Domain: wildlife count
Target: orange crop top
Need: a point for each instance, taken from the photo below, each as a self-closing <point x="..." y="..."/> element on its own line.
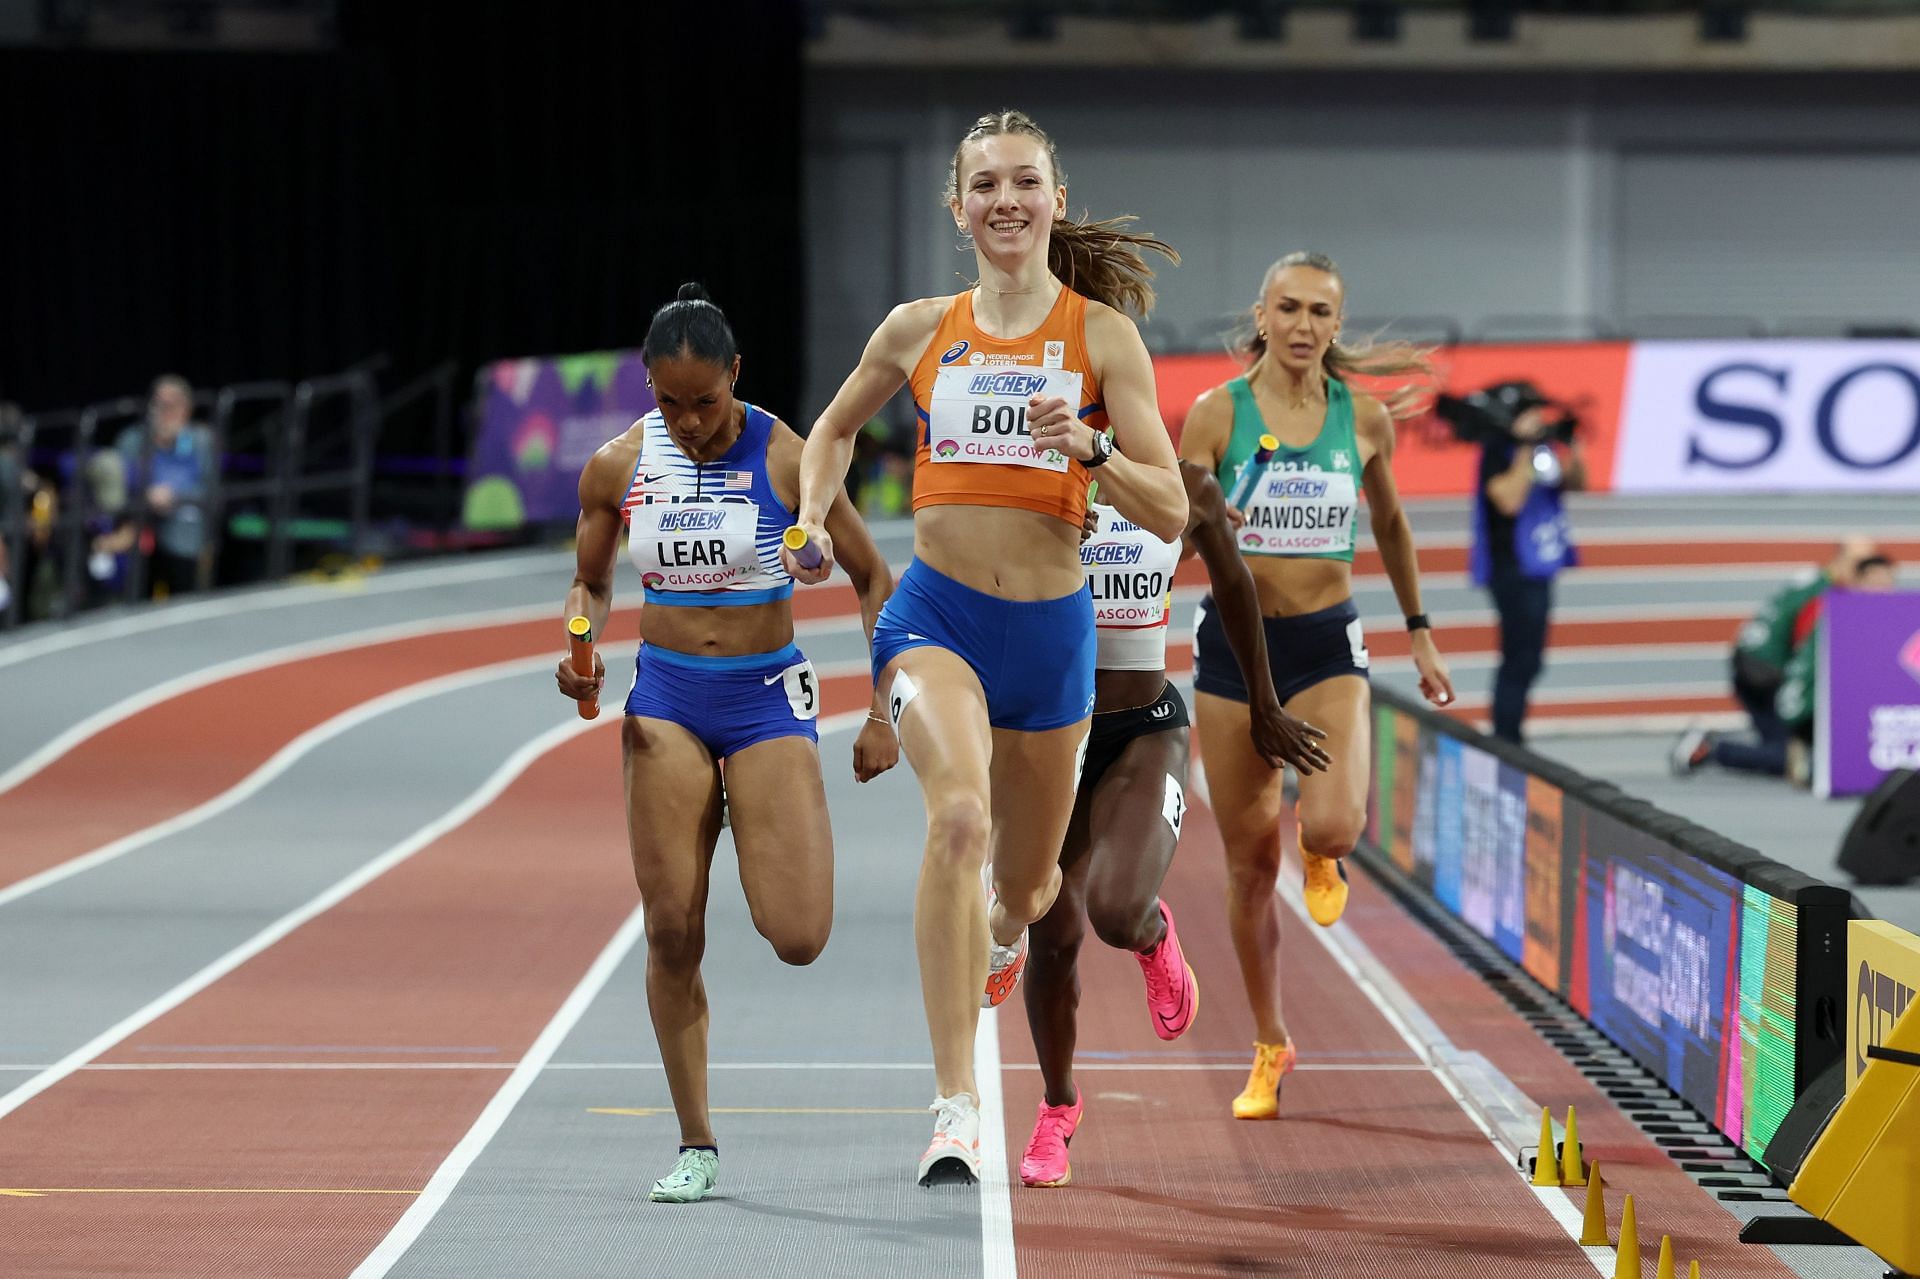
<point x="971" y="390"/>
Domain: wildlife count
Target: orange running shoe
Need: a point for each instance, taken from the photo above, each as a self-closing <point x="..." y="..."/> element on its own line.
<point x="1260" y="1099"/>
<point x="1004" y="963"/>
<point x="1326" y="888"/>
<point x="1004" y="966"/>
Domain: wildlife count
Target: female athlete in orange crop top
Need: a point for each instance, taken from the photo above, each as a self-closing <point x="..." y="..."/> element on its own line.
<point x="986" y="650"/>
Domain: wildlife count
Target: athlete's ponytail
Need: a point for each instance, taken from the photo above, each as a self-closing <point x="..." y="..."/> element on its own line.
<point x="690" y="326"/>
<point x="1099" y="259"/>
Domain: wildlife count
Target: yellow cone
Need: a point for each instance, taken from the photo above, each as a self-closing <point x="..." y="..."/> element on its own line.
<point x="1626" y="1263"/>
<point x="1693" y="1270"/>
<point x="1663" y="1269"/>
<point x="1593" y="1226"/>
<point x="1572" y="1168"/>
<point x="1546" y="1169"/>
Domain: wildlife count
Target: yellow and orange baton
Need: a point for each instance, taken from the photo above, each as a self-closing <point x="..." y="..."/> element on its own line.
<point x="580" y="653"/>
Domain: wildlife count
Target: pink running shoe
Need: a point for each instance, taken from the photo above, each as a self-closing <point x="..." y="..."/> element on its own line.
<point x="1045" y="1163"/>
<point x="1173" y="992"/>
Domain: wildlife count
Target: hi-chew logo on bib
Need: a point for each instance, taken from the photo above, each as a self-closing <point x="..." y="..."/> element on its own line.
<point x="691" y="521"/>
<point x="695" y="546"/>
<point x="1295" y="486"/>
<point x="1024" y="385"/>
<point x="980" y="415"/>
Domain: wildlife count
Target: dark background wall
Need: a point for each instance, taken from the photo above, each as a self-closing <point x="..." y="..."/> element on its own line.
<point x="465" y="182"/>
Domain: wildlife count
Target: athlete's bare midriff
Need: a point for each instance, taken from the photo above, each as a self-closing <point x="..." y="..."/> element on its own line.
<point x="707" y="630"/>
<point x="1288" y="588"/>
<point x="1000" y="550"/>
<point x="1126" y="690"/>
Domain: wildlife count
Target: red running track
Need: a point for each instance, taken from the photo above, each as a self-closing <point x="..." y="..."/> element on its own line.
<point x="240" y="722"/>
<point x="475" y="940"/>
<point x="1367" y="1172"/>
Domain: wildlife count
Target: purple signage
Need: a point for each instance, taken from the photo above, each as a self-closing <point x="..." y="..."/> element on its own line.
<point x="539" y="421"/>
<point x="1867" y="717"/>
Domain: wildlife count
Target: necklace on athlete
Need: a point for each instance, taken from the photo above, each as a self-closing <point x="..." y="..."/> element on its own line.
<point x="1306" y="397"/>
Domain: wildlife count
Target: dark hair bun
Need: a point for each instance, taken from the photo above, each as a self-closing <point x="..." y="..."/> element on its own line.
<point x="691" y="293"/>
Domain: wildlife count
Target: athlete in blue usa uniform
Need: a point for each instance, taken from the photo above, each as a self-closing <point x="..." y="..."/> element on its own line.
<point x="706" y="485"/>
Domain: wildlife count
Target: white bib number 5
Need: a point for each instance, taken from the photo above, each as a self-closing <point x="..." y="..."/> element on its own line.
<point x="803" y="690"/>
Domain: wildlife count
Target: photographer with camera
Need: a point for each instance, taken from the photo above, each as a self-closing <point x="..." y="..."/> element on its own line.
<point x="1529" y="459"/>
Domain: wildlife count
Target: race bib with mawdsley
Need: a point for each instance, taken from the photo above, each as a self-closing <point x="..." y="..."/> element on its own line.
<point x="1299" y="512"/>
<point x="980" y="415"/>
<point x="694" y="546"/>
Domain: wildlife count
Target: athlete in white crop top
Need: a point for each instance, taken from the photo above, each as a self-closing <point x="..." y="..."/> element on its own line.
<point x="1132" y="797"/>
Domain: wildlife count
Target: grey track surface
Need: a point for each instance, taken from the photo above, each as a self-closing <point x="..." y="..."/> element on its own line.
<point x="835" y="1190"/>
<point x="560" y="1189"/>
<point x="84" y="953"/>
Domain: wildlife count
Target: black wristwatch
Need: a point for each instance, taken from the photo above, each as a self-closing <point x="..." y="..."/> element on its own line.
<point x="1102" y="450"/>
<point x="1418" y="622"/>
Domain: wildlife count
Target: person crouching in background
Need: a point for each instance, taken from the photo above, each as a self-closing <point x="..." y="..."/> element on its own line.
<point x="1775" y="672"/>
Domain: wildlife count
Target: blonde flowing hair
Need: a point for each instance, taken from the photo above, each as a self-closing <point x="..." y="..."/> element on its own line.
<point x="1100" y="259"/>
<point x="1344" y="361"/>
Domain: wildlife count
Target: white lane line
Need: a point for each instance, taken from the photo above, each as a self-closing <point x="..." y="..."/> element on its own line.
<point x="441" y="1187"/>
<point x="1346" y="948"/>
<point x="305" y="744"/>
<point x="1665" y="534"/>
<point x="253" y="663"/>
<point x="1579" y="655"/>
<point x="446" y="1179"/>
<point x="1666" y="725"/>
<point x="282" y="760"/>
<point x="996" y="1192"/>
<point x="147" y="619"/>
<point x="1233" y="1067"/>
<point x="1431" y="1046"/>
<point x="485" y="794"/>
<point x="192" y="681"/>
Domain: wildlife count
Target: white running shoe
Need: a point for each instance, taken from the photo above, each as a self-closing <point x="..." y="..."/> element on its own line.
<point x="954" y="1153"/>
<point x="695" y="1173"/>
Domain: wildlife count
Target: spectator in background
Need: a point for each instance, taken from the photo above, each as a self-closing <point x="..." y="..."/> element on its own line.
<point x="13" y="500"/>
<point x="170" y="459"/>
<point x="1521" y="542"/>
<point x="1774" y="668"/>
<point x="111" y="532"/>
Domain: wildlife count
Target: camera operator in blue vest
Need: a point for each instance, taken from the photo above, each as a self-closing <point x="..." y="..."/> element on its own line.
<point x="1530" y="458"/>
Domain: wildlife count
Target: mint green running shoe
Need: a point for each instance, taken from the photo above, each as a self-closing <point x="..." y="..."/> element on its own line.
<point x="693" y="1177"/>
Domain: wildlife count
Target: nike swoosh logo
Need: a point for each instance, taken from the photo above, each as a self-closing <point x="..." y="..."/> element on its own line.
<point x="772" y="678"/>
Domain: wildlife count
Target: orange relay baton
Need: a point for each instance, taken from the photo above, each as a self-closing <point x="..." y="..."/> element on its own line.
<point x="580" y="652"/>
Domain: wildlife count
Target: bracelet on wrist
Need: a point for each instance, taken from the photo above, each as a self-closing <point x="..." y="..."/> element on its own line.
<point x="1418" y="622"/>
<point x="880" y="719"/>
